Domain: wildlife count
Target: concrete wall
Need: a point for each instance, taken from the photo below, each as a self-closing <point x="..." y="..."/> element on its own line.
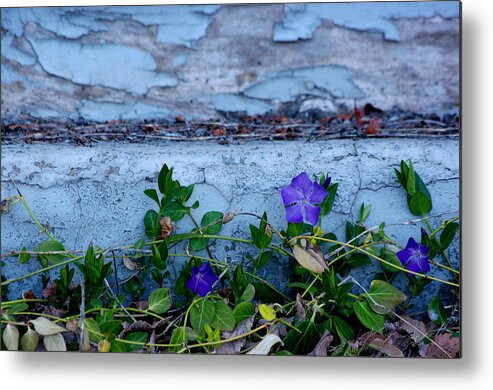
<point x="105" y="63"/>
<point x="97" y="193"/>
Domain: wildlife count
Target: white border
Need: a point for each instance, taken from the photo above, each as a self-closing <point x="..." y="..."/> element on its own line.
<point x="474" y="370"/>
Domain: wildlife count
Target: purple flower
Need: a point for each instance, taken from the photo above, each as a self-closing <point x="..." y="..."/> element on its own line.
<point x="203" y="279"/>
<point x="327" y="182"/>
<point x="302" y="199"/>
<point x="414" y="256"/>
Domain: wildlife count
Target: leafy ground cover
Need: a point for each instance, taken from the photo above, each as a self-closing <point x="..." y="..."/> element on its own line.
<point x="215" y="307"/>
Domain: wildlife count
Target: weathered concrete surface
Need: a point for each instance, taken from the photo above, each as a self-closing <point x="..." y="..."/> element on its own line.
<point x="99" y="63"/>
<point x="96" y="193"/>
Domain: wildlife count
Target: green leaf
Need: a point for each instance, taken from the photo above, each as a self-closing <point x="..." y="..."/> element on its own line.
<point x="93" y="329"/>
<point x="267" y="312"/>
<point x="248" y="294"/>
<point x="384" y="294"/>
<point x="202" y="313"/>
<point x="179" y="337"/>
<point x="437" y="312"/>
<point x="160" y="301"/>
<point x="448" y="235"/>
<point x="137" y="337"/>
<point x="212" y="222"/>
<point x="17" y="308"/>
<point x="160" y="254"/>
<point x="328" y="202"/>
<point x="175" y="210"/>
<point x="51" y="246"/>
<point x="420" y="204"/>
<point x="165" y="179"/>
<point x="110" y="328"/>
<point x="24" y="257"/>
<point x="364" y="212"/>
<point x="223" y="317"/>
<point x="411" y="180"/>
<point x="263" y="259"/>
<point x="151" y="223"/>
<point x="153" y="195"/>
<point x="343" y="329"/>
<point x="243" y="311"/>
<point x="368" y="317"/>
<point x="198" y="244"/>
<point x="304" y="343"/>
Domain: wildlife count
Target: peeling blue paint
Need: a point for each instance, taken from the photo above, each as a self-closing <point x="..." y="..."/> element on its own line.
<point x="10" y="75"/>
<point x="227" y="102"/>
<point x="11" y="52"/>
<point x="287" y="85"/>
<point x="182" y="24"/>
<point x="115" y="66"/>
<point x="104" y="111"/>
<point x="301" y="20"/>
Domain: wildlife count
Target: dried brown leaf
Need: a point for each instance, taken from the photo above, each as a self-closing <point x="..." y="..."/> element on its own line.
<point x="386" y="347"/>
<point x="300" y="308"/>
<point x="416" y="329"/>
<point x="235" y="346"/>
<point x="322" y="345"/>
<point x="448" y="342"/>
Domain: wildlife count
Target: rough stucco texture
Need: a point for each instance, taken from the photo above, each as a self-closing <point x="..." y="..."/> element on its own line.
<point x="97" y="193"/>
<point x="106" y="63"/>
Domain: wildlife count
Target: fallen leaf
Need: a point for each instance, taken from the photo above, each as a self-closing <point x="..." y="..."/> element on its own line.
<point x="264" y="346"/>
<point x="218" y="131"/>
<point x="104" y="345"/>
<point x="357" y="115"/>
<point x="46" y="328"/>
<point x="344" y="117"/>
<point x="130" y="264"/>
<point x="448" y="342"/>
<point x="373" y="126"/>
<point x="55" y="343"/>
<point x="30" y="340"/>
<point x="386" y="348"/>
<point x="300" y="308"/>
<point x="416" y="329"/>
<point x="309" y="256"/>
<point x="180" y="119"/>
<point x="72" y="325"/>
<point x="10" y="337"/>
<point x="322" y="345"/>
<point x="137" y="326"/>
<point x="235" y="346"/>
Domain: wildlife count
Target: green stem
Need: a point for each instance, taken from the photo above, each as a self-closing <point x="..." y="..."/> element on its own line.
<point x="44" y="229"/>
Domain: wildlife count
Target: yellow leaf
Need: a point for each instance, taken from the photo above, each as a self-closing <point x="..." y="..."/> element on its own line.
<point x="267" y="312"/>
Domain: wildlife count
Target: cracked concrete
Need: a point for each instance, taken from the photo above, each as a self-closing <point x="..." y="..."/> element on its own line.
<point x="109" y="63"/>
<point x="96" y="193"/>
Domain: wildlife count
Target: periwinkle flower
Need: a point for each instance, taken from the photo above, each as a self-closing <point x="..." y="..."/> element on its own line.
<point x="414" y="257"/>
<point x="202" y="280"/>
<point x="302" y="199"/>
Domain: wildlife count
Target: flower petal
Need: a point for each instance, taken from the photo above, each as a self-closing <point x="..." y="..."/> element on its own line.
<point x="203" y="288"/>
<point x="192" y="284"/>
<point x="303" y="184"/>
<point x="312" y="213"/>
<point x="290" y="195"/>
<point x="424" y="264"/>
<point x="414" y="265"/>
<point x="318" y="194"/>
<point x="412" y="244"/>
<point x="404" y="256"/>
<point x="294" y="213"/>
<point x="208" y="275"/>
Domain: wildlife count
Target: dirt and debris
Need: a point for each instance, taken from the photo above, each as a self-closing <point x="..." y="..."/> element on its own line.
<point x="368" y="121"/>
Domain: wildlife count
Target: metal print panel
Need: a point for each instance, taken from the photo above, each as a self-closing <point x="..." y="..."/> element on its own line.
<point x="263" y="179"/>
